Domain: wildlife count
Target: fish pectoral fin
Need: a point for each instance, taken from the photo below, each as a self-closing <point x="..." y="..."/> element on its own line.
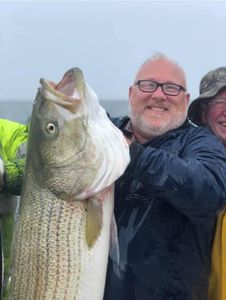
<point x="94" y="221"/>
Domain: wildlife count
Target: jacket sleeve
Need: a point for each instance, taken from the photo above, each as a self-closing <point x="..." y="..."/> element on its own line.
<point x="13" y="176"/>
<point x="13" y="137"/>
<point x="193" y="181"/>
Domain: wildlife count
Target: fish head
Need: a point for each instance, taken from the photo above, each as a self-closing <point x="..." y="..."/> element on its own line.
<point x="58" y="135"/>
<point x="73" y="147"/>
<point x="58" y="115"/>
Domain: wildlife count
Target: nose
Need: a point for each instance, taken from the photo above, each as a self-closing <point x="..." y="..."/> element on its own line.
<point x="158" y="93"/>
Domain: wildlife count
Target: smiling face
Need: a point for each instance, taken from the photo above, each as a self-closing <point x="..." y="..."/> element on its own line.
<point x="153" y="114"/>
<point x="215" y="116"/>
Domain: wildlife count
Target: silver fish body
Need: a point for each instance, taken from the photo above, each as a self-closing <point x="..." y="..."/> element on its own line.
<point x="74" y="155"/>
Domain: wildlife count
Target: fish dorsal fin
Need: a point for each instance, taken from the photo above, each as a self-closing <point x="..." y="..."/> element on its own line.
<point x="94" y="220"/>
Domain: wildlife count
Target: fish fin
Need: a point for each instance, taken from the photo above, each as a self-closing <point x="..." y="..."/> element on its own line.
<point x="94" y="221"/>
<point x="114" y="244"/>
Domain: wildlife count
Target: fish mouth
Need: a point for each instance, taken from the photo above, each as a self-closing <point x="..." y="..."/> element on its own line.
<point x="68" y="93"/>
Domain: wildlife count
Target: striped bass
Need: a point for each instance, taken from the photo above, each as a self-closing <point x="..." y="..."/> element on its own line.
<point x="74" y="155"/>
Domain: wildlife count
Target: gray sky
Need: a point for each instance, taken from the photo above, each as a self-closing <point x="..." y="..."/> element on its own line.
<point x="108" y="40"/>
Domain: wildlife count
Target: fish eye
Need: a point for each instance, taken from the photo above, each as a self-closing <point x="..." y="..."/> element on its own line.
<point x="50" y="127"/>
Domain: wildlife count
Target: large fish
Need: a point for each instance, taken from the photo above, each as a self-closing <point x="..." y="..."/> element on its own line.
<point x="74" y="155"/>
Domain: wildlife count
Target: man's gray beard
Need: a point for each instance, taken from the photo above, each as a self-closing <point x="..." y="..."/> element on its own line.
<point x="149" y="131"/>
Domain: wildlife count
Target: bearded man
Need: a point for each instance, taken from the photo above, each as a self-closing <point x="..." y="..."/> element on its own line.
<point x="167" y="201"/>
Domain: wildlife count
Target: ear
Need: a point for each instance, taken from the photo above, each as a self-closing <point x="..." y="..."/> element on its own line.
<point x="203" y="117"/>
<point x="130" y="90"/>
<point x="187" y="97"/>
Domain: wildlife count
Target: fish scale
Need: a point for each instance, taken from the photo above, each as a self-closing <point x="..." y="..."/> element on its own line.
<point x="53" y="224"/>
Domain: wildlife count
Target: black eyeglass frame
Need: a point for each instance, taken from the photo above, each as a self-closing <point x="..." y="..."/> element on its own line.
<point x="181" y="88"/>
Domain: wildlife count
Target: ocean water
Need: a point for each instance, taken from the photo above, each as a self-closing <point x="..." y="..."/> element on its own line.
<point x="20" y="111"/>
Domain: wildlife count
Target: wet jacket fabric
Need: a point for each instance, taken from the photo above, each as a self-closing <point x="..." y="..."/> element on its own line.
<point x="217" y="282"/>
<point x="166" y="206"/>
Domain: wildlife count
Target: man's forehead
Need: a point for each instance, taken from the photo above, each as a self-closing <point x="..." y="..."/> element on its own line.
<point x="163" y="70"/>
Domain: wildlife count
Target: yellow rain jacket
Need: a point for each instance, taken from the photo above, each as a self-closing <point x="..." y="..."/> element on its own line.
<point x="217" y="283"/>
<point x="13" y="136"/>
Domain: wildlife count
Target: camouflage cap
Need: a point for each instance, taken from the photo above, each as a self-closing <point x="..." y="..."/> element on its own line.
<point x="211" y="84"/>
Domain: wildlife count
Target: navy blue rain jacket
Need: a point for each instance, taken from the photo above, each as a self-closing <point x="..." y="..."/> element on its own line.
<point x="166" y="205"/>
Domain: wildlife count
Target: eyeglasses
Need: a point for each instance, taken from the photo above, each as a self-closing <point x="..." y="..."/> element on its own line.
<point x="149" y="86"/>
<point x="219" y="103"/>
